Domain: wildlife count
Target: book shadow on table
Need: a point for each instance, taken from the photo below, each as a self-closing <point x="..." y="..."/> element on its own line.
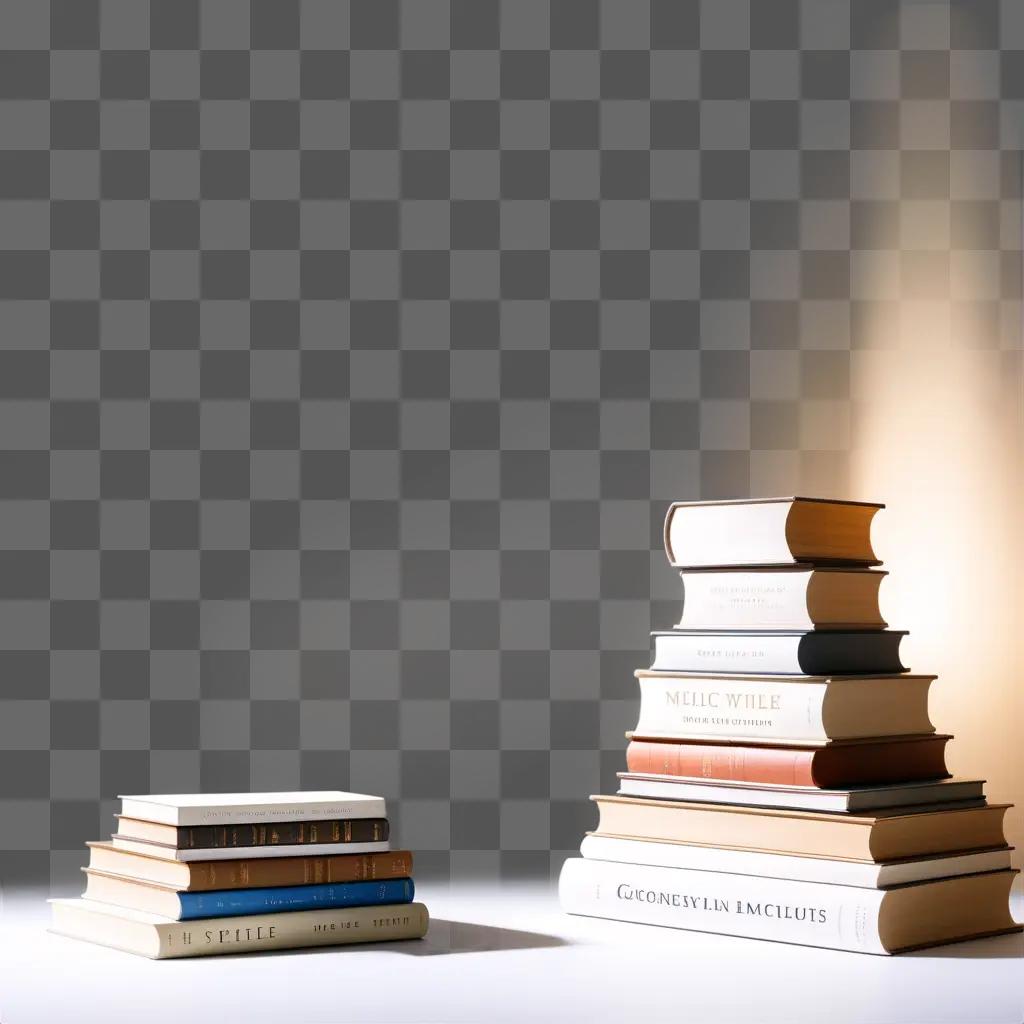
<point x="447" y="937"/>
<point x="998" y="947"/>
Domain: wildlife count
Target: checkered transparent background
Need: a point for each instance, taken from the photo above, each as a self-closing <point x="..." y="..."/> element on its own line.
<point x="352" y="349"/>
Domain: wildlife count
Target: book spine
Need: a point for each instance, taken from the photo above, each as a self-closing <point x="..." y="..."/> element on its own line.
<point x="294" y="897"/>
<point x="764" y="654"/>
<point x="745" y="600"/>
<point x="683" y="708"/>
<point x="282" y="833"/>
<point x="807" y="913"/>
<point x="387" y="923"/>
<point x="274" y="871"/>
<point x="758" y="765"/>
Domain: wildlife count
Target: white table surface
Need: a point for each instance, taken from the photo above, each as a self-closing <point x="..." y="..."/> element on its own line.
<point x="506" y="953"/>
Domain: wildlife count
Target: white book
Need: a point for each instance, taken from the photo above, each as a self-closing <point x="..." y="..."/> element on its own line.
<point x="799" y="598"/>
<point x="781" y="709"/>
<point x="159" y="938"/>
<point x="802" y="869"/>
<point x="807" y="913"/>
<point x="165" y="852"/>
<point x="854" y="800"/>
<point x="248" y="808"/>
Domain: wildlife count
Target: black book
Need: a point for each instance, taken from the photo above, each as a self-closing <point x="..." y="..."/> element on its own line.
<point x="808" y="652"/>
<point x="272" y="833"/>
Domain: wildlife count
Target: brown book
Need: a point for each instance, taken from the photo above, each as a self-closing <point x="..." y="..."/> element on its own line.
<point x="273" y="833"/>
<point x="835" y="765"/>
<point x="255" y="873"/>
<point x="769" y="531"/>
<point x="871" y="838"/>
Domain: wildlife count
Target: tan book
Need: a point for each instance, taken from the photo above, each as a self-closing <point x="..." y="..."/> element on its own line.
<point x="250" y="873"/>
<point x="135" y="931"/>
<point x="795" y="597"/>
<point x="873" y="838"/>
<point x="769" y="531"/>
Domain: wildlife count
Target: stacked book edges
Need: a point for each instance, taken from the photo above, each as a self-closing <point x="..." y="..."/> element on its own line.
<point x="195" y="874"/>
<point x="784" y="780"/>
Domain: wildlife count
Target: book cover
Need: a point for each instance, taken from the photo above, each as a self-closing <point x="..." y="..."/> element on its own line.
<point x="247" y="808"/>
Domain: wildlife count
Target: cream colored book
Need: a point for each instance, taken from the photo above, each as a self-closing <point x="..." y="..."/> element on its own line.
<point x="159" y="938"/>
<point x="249" y="808"/>
<point x="769" y="531"/>
<point x="781" y="709"/>
<point x="807" y="913"/>
<point x="793" y="598"/>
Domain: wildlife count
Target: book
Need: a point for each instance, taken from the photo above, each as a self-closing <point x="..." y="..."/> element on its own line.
<point x="838" y="764"/>
<point x="150" y="935"/>
<point x="274" y="833"/>
<point x="188" y="906"/>
<point x="792" y="598"/>
<point x="806" y="798"/>
<point x="769" y="531"/>
<point x="166" y="852"/>
<point x="249" y="808"/>
<point x="806" y="869"/>
<point x="792" y="652"/>
<point x="879" y="836"/>
<point x="250" y="873"/>
<point x="782" y="709"/>
<point x="844" y="917"/>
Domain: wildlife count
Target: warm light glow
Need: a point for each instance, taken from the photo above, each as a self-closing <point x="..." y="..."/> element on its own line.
<point x="939" y="440"/>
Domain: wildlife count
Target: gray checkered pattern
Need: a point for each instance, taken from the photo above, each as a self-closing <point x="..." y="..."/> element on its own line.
<point x="351" y="350"/>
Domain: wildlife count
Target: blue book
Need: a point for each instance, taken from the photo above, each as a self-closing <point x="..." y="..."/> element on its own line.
<point x="235" y="902"/>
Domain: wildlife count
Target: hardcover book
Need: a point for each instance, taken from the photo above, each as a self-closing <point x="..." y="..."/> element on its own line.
<point x="781" y="709"/>
<point x="275" y="833"/>
<point x="188" y="906"/>
<point x="961" y="792"/>
<point x="250" y="873"/>
<point x="769" y="531"/>
<point x="794" y="598"/>
<point x="150" y="935"/>
<point x="833" y="871"/>
<point x="808" y="913"/>
<point x="809" y="653"/>
<point x="882" y="835"/>
<point x="248" y="808"/>
<point x="842" y="763"/>
<point x="165" y="851"/>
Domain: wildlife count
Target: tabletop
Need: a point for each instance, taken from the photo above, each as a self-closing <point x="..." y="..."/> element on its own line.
<point x="505" y="952"/>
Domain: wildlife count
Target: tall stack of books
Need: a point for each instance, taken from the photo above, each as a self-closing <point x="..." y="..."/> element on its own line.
<point x="784" y="780"/>
<point x="197" y="874"/>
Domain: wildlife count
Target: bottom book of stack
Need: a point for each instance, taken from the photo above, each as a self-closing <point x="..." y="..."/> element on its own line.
<point x="856" y="905"/>
<point x="158" y="937"/>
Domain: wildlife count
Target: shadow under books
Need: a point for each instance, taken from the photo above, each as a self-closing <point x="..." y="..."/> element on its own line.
<point x="997" y="947"/>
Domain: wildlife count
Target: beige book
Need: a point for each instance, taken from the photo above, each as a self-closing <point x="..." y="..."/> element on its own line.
<point x="135" y="931"/>
<point x="881" y="836"/>
<point x="790" y="598"/>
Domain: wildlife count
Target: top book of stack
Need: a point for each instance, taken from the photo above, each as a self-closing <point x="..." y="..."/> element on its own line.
<point x="770" y="532"/>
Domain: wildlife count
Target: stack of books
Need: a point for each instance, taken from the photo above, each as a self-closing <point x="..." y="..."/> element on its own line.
<point x="197" y="874"/>
<point x="784" y="780"/>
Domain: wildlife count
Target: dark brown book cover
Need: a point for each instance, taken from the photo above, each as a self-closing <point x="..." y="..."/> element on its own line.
<point x="838" y="765"/>
<point x="274" y="833"/>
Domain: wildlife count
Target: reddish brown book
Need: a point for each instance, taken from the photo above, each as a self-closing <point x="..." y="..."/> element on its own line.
<point x="855" y="763"/>
<point x="251" y="872"/>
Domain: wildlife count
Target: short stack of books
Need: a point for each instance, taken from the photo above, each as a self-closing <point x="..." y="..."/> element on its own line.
<point x="197" y="874"/>
<point x="784" y="779"/>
